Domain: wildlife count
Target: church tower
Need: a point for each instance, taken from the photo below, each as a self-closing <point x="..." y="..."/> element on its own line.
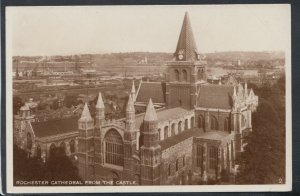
<point x="129" y="139"/>
<point x="85" y="144"/>
<point x="150" y="148"/>
<point x="99" y="119"/>
<point x="186" y="71"/>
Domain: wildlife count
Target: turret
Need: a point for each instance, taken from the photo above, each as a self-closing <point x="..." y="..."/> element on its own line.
<point x="130" y="114"/>
<point x="85" y="143"/>
<point x="98" y="137"/>
<point x="129" y="140"/>
<point x="100" y="116"/>
<point x="150" y="150"/>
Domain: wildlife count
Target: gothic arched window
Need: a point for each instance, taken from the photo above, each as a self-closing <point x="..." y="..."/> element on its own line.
<point x="226" y="125"/>
<point x="184" y="75"/>
<point x="179" y="127"/>
<point x="29" y="141"/>
<point x="176" y="75"/>
<point x="173" y="130"/>
<point x="38" y="151"/>
<point x="214" y="123"/>
<point x="72" y="146"/>
<point x="159" y="132"/>
<point x="201" y="122"/>
<point x="166" y="130"/>
<point x="186" y="124"/>
<point x="213" y="155"/>
<point x="113" y="148"/>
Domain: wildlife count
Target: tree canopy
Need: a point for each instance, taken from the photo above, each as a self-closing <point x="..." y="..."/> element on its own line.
<point x="263" y="159"/>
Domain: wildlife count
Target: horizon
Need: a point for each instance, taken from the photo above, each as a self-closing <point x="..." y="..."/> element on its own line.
<point x="71" y="30"/>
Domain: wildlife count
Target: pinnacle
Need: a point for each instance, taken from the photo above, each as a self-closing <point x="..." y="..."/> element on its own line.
<point x="130" y="104"/>
<point x="150" y="112"/>
<point x="133" y="87"/>
<point x="85" y="115"/>
<point x="100" y="104"/>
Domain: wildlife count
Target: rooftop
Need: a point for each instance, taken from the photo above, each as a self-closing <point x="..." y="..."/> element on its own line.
<point x="153" y="90"/>
<point x="162" y="115"/>
<point x="215" y="96"/>
<point x="55" y="127"/>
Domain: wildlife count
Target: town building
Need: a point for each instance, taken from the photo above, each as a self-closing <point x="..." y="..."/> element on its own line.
<point x="191" y="130"/>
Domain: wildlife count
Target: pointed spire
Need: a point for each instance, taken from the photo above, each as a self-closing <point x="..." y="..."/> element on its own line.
<point x="234" y="92"/>
<point x="85" y="115"/>
<point x="133" y="87"/>
<point x="100" y="104"/>
<point x="130" y="104"/>
<point x="150" y="112"/>
<point x="133" y="91"/>
<point x="186" y="47"/>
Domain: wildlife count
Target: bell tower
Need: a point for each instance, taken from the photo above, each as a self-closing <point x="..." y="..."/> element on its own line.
<point x="186" y="71"/>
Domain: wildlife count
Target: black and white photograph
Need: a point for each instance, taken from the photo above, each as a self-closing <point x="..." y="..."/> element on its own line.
<point x="148" y="98"/>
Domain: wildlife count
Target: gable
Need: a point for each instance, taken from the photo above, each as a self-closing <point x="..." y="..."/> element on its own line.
<point x="215" y="96"/>
<point x="154" y="90"/>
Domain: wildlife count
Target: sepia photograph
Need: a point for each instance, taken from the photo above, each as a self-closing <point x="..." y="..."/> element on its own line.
<point x="128" y="98"/>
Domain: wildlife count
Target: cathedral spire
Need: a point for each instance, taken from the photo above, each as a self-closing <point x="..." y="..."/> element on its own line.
<point x="85" y="115"/>
<point x="150" y="112"/>
<point x="186" y="47"/>
<point x="100" y="104"/>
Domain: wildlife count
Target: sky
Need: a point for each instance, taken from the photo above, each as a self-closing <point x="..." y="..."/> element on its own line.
<point x="72" y="30"/>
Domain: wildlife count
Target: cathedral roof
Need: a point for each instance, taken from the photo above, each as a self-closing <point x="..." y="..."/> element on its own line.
<point x="100" y="104"/>
<point x="153" y="90"/>
<point x="85" y="115"/>
<point x="215" y="96"/>
<point x="186" y="44"/>
<point x="162" y="115"/>
<point x="130" y="104"/>
<point x="55" y="127"/>
<point x="150" y="114"/>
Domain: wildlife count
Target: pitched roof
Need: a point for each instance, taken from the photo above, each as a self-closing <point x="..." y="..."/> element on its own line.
<point x="150" y="114"/>
<point x="215" y="96"/>
<point x="153" y="90"/>
<point x="54" y="127"/>
<point x="186" y="43"/>
<point x="100" y="103"/>
<point x="85" y="115"/>
<point x="162" y="115"/>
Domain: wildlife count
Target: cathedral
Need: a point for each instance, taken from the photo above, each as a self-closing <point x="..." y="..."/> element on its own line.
<point x="191" y="130"/>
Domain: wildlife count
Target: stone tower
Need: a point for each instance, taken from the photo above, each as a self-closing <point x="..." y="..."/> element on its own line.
<point x="186" y="71"/>
<point x="21" y="119"/>
<point x="99" y="119"/>
<point x="85" y="144"/>
<point x="150" y="148"/>
<point x="129" y="139"/>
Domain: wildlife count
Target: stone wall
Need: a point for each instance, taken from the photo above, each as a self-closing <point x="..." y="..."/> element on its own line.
<point x="180" y="154"/>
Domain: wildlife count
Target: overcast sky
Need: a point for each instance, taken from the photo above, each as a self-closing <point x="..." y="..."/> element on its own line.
<point x="105" y="29"/>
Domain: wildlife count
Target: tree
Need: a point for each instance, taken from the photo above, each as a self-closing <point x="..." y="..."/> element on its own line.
<point x="70" y="100"/>
<point x="17" y="104"/>
<point x="263" y="159"/>
<point x="57" y="167"/>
